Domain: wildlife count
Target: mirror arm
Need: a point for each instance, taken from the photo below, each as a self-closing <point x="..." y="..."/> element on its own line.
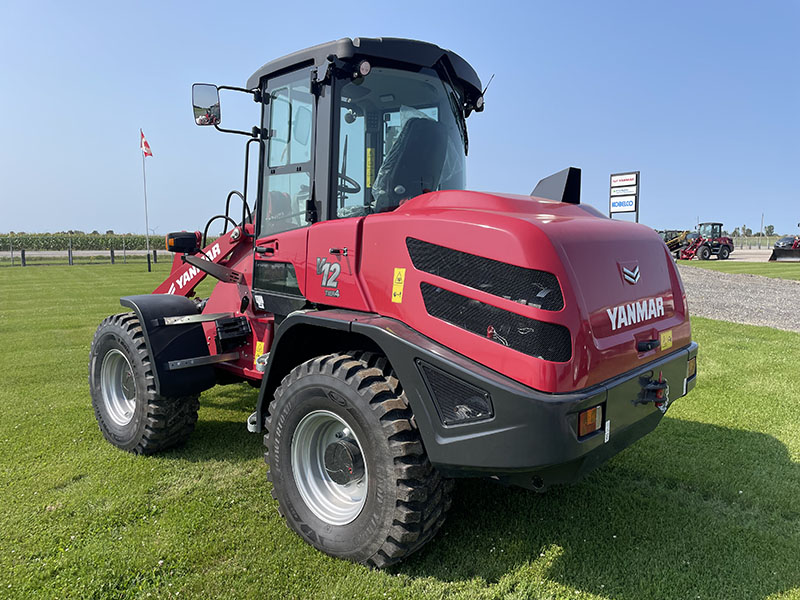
<point x="236" y="89"/>
<point x="255" y="133"/>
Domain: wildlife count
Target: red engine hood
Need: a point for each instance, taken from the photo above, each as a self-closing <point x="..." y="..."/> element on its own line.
<point x="608" y="312"/>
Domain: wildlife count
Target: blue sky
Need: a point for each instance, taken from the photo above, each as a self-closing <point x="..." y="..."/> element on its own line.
<point x="702" y="98"/>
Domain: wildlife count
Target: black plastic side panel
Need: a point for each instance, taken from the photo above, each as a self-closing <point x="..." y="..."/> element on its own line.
<point x="530" y="431"/>
<point x="172" y="342"/>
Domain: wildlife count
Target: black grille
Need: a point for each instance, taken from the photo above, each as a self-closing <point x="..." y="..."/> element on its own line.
<point x="535" y="338"/>
<point x="456" y="401"/>
<point x="526" y="286"/>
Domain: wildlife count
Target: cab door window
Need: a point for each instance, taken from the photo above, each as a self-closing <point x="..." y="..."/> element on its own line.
<point x="287" y="179"/>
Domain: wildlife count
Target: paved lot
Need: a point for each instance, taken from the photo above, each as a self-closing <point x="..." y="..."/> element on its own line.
<point x="754" y="255"/>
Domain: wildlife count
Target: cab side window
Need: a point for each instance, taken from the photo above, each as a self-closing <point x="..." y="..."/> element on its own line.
<point x="287" y="180"/>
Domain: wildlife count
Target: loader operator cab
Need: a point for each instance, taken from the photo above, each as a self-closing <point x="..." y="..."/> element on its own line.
<point x="355" y="127"/>
<point x="710" y="231"/>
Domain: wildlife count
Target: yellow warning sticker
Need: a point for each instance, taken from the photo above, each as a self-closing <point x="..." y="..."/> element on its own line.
<point x="398" y="282"/>
<point x="259" y="351"/>
<point x="666" y="339"/>
<point x="370" y="165"/>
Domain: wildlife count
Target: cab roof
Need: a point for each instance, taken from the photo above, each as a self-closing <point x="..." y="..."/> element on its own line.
<point x="415" y="52"/>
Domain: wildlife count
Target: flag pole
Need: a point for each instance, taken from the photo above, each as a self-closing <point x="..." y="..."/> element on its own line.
<point x="146" y="224"/>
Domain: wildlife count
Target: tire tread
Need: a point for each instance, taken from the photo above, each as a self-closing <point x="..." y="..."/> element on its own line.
<point x="423" y="495"/>
<point x="169" y="421"/>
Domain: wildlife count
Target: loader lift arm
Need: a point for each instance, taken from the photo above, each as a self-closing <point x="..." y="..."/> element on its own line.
<point x="187" y="272"/>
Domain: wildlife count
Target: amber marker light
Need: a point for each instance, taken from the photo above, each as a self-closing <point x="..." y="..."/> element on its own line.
<point x="590" y="420"/>
<point x="691" y="367"/>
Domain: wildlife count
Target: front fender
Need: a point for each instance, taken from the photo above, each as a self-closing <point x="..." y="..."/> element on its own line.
<point x="172" y="342"/>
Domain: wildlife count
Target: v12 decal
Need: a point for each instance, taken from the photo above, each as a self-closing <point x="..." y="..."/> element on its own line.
<point x="330" y="276"/>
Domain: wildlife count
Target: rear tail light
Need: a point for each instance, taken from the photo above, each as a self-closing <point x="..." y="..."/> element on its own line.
<point x="691" y="367"/>
<point x="590" y="420"/>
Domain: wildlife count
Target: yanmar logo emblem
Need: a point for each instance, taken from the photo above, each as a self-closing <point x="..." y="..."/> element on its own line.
<point x="630" y="272"/>
<point x="635" y="312"/>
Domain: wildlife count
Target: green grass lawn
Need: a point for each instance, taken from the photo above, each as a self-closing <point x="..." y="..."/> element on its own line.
<point x="780" y="270"/>
<point x="707" y="506"/>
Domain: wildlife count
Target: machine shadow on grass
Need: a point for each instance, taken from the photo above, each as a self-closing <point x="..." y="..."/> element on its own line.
<point x="668" y="522"/>
<point x="221" y="430"/>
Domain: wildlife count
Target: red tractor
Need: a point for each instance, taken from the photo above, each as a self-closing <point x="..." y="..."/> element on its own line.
<point x="709" y="241"/>
<point x="402" y="331"/>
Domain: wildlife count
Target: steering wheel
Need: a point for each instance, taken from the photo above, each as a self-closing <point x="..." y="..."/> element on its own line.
<point x="286" y="216"/>
<point x="354" y="188"/>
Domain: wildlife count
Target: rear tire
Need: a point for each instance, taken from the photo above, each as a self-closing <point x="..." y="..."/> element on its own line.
<point x="130" y="413"/>
<point x="389" y="501"/>
<point x="724" y="253"/>
<point x="703" y="253"/>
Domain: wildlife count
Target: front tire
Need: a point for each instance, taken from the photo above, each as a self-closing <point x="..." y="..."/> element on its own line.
<point x="704" y="253"/>
<point x="129" y="412"/>
<point x="347" y="464"/>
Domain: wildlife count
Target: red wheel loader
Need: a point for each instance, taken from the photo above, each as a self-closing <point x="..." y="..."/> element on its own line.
<point x="709" y="242"/>
<point x="402" y="330"/>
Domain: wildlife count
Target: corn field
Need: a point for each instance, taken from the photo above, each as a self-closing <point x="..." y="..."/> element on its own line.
<point x="87" y="241"/>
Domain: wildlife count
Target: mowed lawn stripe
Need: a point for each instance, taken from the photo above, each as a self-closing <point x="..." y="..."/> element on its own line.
<point x="779" y="270"/>
<point x="708" y="505"/>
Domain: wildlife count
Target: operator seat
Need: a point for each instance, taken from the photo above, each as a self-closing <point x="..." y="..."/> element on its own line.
<point x="279" y="210"/>
<point x="413" y="164"/>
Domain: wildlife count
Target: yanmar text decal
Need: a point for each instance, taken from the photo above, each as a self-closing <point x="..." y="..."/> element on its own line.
<point x="635" y="312"/>
<point x="189" y="273"/>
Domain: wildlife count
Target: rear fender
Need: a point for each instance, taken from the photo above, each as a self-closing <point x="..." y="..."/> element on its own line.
<point x="166" y="343"/>
<point x="304" y="335"/>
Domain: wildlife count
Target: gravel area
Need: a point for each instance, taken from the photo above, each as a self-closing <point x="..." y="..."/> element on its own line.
<point x="741" y="298"/>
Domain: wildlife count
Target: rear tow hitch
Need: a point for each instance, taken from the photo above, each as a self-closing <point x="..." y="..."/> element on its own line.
<point x="655" y="391"/>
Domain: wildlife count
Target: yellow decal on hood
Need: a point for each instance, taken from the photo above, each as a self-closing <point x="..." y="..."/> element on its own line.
<point x="398" y="282"/>
<point x="666" y="339"/>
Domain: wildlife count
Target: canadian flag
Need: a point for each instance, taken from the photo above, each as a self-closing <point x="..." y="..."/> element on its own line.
<point x="144" y="145"/>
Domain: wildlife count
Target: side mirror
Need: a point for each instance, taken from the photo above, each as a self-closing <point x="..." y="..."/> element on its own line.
<point x="205" y="100"/>
<point x="301" y="128"/>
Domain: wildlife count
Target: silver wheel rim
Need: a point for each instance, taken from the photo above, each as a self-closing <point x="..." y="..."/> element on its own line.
<point x="333" y="503"/>
<point x="118" y="387"/>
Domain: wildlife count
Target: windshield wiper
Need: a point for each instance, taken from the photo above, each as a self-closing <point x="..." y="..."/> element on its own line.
<point x="459" y="117"/>
<point x="456" y="107"/>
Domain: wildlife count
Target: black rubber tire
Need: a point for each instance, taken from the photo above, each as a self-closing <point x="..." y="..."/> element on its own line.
<point x="407" y="499"/>
<point x="158" y="422"/>
<point x="724" y="253"/>
<point x="703" y="252"/>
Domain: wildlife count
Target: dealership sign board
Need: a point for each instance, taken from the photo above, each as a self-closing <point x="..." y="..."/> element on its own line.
<point x="624" y="194"/>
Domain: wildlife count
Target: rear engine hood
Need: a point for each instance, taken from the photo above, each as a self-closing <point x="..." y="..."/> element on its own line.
<point x="623" y="301"/>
